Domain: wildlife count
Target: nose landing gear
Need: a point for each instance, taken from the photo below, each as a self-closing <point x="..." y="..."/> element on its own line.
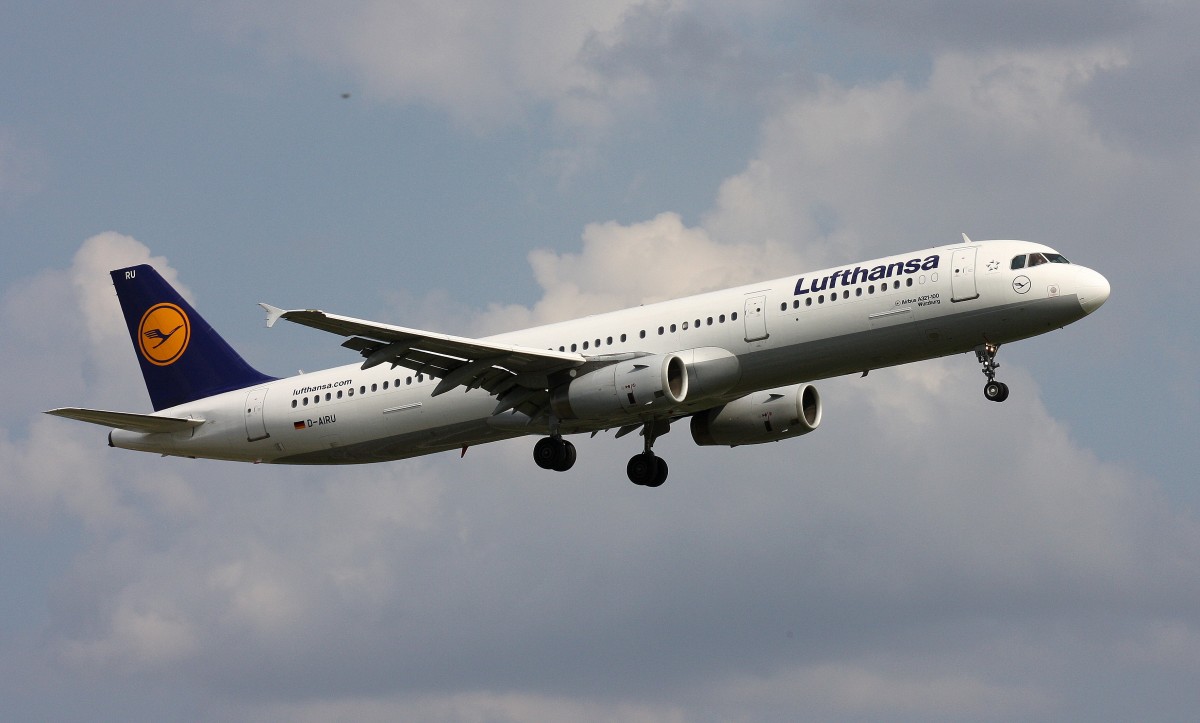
<point x="993" y="390"/>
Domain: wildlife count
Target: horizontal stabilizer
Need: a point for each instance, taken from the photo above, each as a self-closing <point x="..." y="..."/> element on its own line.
<point x="144" y="423"/>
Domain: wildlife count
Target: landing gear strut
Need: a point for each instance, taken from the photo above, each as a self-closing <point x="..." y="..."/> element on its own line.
<point x="646" y="469"/>
<point x="993" y="390"/>
<point x="554" y="453"/>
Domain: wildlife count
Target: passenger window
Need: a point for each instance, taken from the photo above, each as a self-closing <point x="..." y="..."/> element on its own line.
<point x="858" y="291"/>
<point x="408" y="381"/>
<point x="908" y="281"/>
<point x="733" y="316"/>
<point x="610" y="341"/>
<point x="808" y="301"/>
<point x="672" y="328"/>
<point x="385" y="385"/>
<point x="661" y="331"/>
<point x="642" y="334"/>
<point x="306" y="401"/>
<point x="573" y="347"/>
<point x="350" y="392"/>
<point x="622" y="338"/>
<point x="585" y="345"/>
<point x="293" y="404"/>
<point x="721" y="318"/>
<point x="317" y="399"/>
<point x="821" y="299"/>
<point x="374" y="387"/>
<point x="697" y="324"/>
<point x="685" y="326"/>
<point x="710" y="321"/>
<point x="1018" y="262"/>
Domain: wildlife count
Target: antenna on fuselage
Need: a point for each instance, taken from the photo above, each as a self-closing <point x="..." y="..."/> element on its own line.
<point x="966" y="239"/>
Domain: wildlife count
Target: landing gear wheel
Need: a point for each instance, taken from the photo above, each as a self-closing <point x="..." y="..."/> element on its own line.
<point x="660" y="473"/>
<point x="643" y="469"/>
<point x="568" y="460"/>
<point x="995" y="391"/>
<point x="550" y="452"/>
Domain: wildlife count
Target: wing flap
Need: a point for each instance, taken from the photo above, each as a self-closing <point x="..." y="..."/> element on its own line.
<point x="143" y="423"/>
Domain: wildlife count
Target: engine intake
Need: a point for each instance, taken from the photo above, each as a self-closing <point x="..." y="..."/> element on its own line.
<point x="760" y="417"/>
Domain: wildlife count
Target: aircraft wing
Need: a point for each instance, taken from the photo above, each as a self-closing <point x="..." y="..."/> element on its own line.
<point x="145" y="423"/>
<point x="456" y="361"/>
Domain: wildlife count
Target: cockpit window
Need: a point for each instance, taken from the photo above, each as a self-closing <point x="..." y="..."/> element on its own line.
<point x="1019" y="262"/>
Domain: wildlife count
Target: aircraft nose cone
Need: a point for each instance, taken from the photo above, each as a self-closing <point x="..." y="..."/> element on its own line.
<point x="1093" y="291"/>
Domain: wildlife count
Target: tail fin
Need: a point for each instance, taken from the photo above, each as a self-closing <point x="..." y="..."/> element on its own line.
<point x="182" y="357"/>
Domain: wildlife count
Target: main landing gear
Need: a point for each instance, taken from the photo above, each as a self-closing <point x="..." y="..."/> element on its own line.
<point x="993" y="391"/>
<point x="554" y="453"/>
<point x="646" y="469"/>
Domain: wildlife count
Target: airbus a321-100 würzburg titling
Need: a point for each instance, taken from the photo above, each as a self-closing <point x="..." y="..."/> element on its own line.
<point x="739" y="363"/>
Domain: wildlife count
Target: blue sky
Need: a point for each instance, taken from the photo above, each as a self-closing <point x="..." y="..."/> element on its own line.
<point x="924" y="555"/>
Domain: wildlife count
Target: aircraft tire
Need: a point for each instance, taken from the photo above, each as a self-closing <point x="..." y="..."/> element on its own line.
<point x="642" y="469"/>
<point x="995" y="391"/>
<point x="569" y="457"/>
<point x="549" y="452"/>
<point x="660" y="473"/>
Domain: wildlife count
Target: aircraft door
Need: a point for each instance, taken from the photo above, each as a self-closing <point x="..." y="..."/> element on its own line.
<point x="962" y="283"/>
<point x="256" y="426"/>
<point x="756" y="318"/>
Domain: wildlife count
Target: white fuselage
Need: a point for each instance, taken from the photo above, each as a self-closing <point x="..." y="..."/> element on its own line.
<point x="847" y="319"/>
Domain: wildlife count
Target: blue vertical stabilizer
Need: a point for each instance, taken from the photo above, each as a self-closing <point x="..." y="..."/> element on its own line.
<point x="182" y="357"/>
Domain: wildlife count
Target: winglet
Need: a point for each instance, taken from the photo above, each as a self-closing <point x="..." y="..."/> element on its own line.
<point x="274" y="313"/>
<point x="966" y="239"/>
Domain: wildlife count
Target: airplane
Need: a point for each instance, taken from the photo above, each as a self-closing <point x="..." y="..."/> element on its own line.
<point x="738" y="363"/>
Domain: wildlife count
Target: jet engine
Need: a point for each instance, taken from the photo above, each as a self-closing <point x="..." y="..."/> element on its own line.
<point x="760" y="417"/>
<point x="644" y="382"/>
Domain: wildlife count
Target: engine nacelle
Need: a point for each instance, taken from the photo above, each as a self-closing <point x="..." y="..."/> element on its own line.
<point x="760" y="417"/>
<point x="631" y="385"/>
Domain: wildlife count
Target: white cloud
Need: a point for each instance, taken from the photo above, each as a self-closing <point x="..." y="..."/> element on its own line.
<point x="989" y="144"/>
<point x="627" y="265"/>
